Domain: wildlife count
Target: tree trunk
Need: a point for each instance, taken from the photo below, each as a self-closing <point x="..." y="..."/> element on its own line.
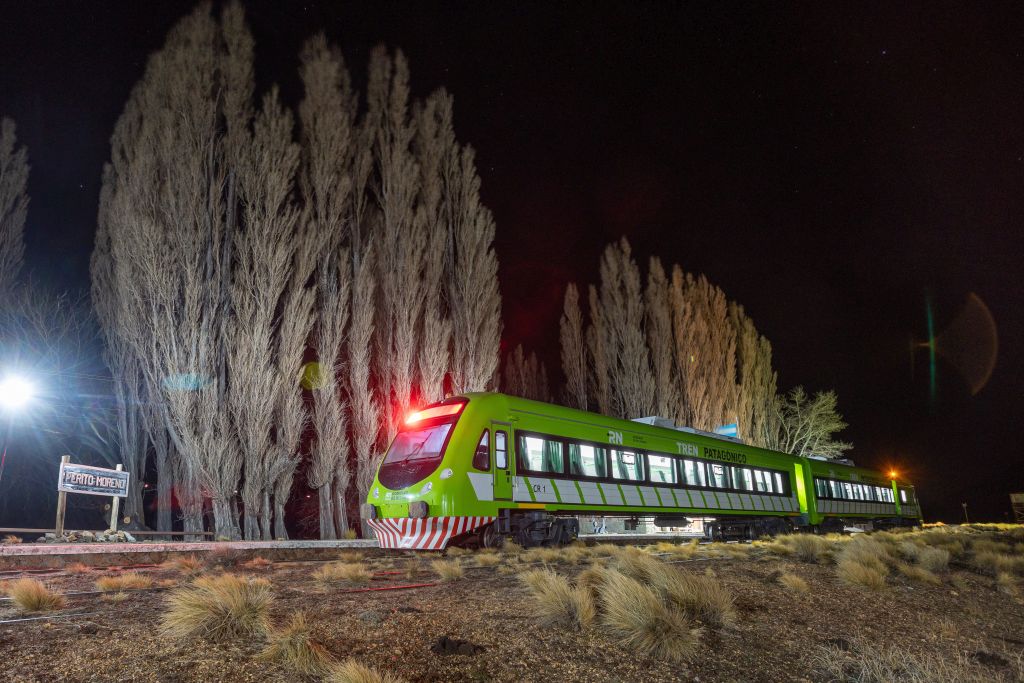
<point x="164" y="484"/>
<point x="250" y="513"/>
<point x="225" y="526"/>
<point x="326" y="513"/>
<point x="236" y="530"/>
<point x="340" y="511"/>
<point x="265" y="516"/>
<point x="280" y="531"/>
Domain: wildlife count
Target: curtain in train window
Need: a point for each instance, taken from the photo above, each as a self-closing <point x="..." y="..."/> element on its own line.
<point x="663" y="469"/>
<point x="821" y="487"/>
<point x="539" y="455"/>
<point x="718" y="475"/>
<point x="627" y="465"/>
<point x="693" y="473"/>
<point x="743" y="478"/>
<point x="587" y="461"/>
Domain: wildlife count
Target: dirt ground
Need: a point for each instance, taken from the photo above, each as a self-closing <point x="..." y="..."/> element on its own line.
<point x="403" y="631"/>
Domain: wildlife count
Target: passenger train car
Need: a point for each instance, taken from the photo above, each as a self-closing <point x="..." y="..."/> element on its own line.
<point x="484" y="467"/>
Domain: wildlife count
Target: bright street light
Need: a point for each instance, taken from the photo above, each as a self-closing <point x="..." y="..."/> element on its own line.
<point x="15" y="392"/>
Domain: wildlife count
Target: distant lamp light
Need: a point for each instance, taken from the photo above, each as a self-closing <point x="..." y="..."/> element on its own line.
<point x="15" y="392"/>
<point x="892" y="474"/>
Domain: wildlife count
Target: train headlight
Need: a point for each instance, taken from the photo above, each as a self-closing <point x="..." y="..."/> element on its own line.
<point x="418" y="509"/>
<point x="368" y="511"/>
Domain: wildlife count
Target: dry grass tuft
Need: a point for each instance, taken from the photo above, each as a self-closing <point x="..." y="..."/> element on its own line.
<point x="347" y="572"/>
<point x="804" y="547"/>
<point x="917" y="573"/>
<point x="679" y="551"/>
<point x="77" y="568"/>
<point x="1006" y="583"/>
<point x="558" y="603"/>
<point x="793" y="583"/>
<point x="857" y="574"/>
<point x="350" y="535"/>
<point x="448" y="570"/>
<point x="506" y="570"/>
<point x="258" y="563"/>
<point x="11" y="539"/>
<point x="701" y="596"/>
<point x="115" y="597"/>
<point x="456" y="551"/>
<point x="351" y="556"/>
<point x="993" y="562"/>
<point x="219" y="608"/>
<point x="351" y="671"/>
<point x="606" y="549"/>
<point x="636" y="615"/>
<point x="32" y="596"/>
<point x="511" y="548"/>
<point x="545" y="555"/>
<point x="883" y="665"/>
<point x="488" y="559"/>
<point x="187" y="564"/>
<point x="121" y="582"/>
<point x="295" y="648"/>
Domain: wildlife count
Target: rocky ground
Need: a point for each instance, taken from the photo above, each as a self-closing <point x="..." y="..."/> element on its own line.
<point x="482" y="627"/>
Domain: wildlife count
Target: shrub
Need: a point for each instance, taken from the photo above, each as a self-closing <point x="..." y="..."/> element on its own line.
<point x="222" y="558"/>
<point x="558" y="603"/>
<point x="347" y="572"/>
<point x="642" y="622"/>
<point x="805" y="547"/>
<point x="32" y="596"/>
<point x="448" y="570"/>
<point x="294" y="647"/>
<point x="592" y="577"/>
<point x="219" y="608"/>
<point x="121" y="582"/>
<point x="352" y="671"/>
<point x="994" y="562"/>
<point x="793" y="583"/>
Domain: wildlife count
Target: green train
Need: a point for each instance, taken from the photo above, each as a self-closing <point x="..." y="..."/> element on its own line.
<point x="484" y="467"/>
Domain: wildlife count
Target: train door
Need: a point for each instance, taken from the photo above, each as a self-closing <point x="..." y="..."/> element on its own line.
<point x="502" y="460"/>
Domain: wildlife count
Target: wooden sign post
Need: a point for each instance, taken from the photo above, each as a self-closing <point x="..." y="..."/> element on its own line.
<point x="62" y="499"/>
<point x="115" y="506"/>
<point x="94" y="481"/>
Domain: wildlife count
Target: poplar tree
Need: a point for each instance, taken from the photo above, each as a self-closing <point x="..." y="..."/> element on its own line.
<point x="526" y="376"/>
<point x="573" y="350"/>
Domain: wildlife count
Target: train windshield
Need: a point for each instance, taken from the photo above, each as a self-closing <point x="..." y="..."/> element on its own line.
<point x="413" y="455"/>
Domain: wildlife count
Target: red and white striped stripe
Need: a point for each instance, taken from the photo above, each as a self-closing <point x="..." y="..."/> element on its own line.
<point x="431" y="533"/>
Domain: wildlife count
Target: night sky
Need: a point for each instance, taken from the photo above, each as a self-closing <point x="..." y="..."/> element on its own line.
<point x="830" y="166"/>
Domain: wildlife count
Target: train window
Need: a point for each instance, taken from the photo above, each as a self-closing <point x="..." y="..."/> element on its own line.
<point x="693" y="473"/>
<point x="482" y="456"/>
<point x="535" y="454"/>
<point x="662" y="469"/>
<point x="719" y="476"/>
<point x="587" y="461"/>
<point x="743" y="478"/>
<point x="780" y="483"/>
<point x="903" y="496"/>
<point x="837" y="489"/>
<point x="627" y="465"/>
<point x="500" y="450"/>
<point x="821" y="488"/>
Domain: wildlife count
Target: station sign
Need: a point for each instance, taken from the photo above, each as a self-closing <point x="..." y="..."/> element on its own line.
<point x="95" y="481"/>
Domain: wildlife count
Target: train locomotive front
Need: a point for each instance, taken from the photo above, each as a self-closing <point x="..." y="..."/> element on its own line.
<point x="422" y="498"/>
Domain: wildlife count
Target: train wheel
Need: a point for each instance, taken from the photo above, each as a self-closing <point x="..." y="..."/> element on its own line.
<point x="490" y="538"/>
